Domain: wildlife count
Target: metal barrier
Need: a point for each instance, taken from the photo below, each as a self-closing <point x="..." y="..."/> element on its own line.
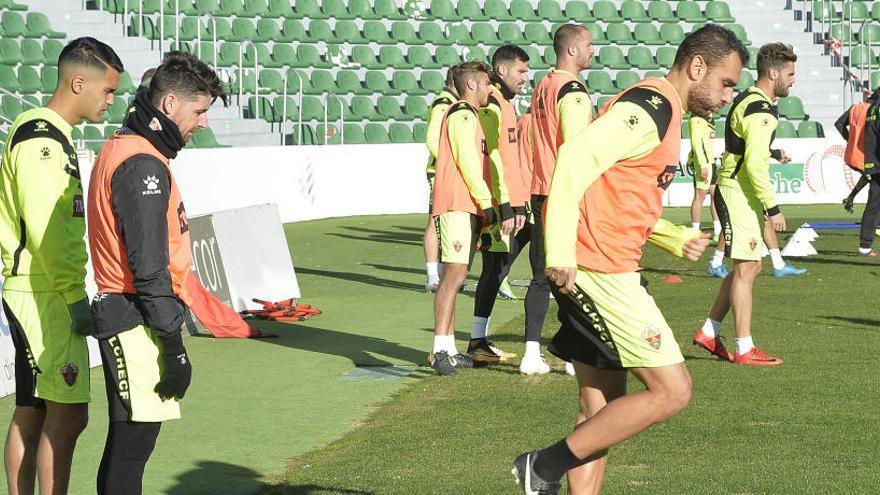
<point x="213" y="32"/>
<point x="241" y="49"/>
<point x="326" y="98"/>
<point x="284" y="111"/>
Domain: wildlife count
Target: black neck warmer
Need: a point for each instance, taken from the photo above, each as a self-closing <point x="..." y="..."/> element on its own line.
<point x="498" y="83"/>
<point x="146" y="120"/>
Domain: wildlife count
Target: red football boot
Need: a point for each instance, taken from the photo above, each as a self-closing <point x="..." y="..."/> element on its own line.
<point x="714" y="346"/>
<point x="757" y="357"/>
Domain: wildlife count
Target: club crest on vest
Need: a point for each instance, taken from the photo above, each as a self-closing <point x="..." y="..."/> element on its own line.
<point x="69" y="372"/>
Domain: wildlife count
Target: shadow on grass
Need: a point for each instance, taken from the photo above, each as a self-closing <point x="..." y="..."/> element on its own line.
<point x="857" y="322"/>
<point x="212" y="477"/>
<point x="376" y="235"/>
<point x="362" y="278"/>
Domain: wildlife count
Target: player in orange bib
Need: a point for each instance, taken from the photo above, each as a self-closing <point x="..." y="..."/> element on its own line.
<point x="604" y="202"/>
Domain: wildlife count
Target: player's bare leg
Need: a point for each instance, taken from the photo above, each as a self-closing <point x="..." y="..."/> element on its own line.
<point x="697" y="206"/>
<point x="61" y="429"/>
<point x="20" y="453"/>
<point x="451" y="279"/>
<point x="780" y="267"/>
<point x="597" y="388"/>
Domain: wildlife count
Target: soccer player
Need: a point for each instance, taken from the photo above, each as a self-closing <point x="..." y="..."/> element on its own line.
<point x="42" y="241"/>
<point x="140" y="247"/>
<point x="605" y="198"/>
<point x="852" y="125"/>
<point x="501" y="245"/>
<point x="744" y="197"/>
<point x="438" y="108"/>
<point x="702" y="159"/>
<point x="462" y="204"/>
<point x="561" y="108"/>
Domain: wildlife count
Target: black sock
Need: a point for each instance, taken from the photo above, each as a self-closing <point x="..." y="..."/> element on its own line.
<point x="554" y="461"/>
<point x="126" y="452"/>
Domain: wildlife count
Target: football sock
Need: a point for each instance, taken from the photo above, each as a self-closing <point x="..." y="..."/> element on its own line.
<point x="695" y="225"/>
<point x="864" y="250"/>
<point x="554" y="461"/>
<point x="744" y="344"/>
<point x="450" y="345"/>
<point x="126" y="451"/>
<point x="716" y="227"/>
<point x="533" y="349"/>
<point x="439" y="343"/>
<point x="481" y="327"/>
<point x="711" y="328"/>
<point x="776" y="256"/>
<point x="433" y="271"/>
<point x="717" y="258"/>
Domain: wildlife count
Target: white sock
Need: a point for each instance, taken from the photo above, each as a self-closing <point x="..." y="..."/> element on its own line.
<point x="711" y="328"/>
<point x="717" y="258"/>
<point x="533" y="350"/>
<point x="439" y="343"/>
<point x="776" y="256"/>
<point x="695" y="225"/>
<point x="744" y="345"/>
<point x="864" y="250"/>
<point x="716" y="227"/>
<point x="481" y="327"/>
<point x="432" y="269"/>
<point x="450" y="345"/>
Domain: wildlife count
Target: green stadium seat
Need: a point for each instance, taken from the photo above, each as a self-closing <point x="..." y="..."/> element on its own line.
<point x="320" y="30"/>
<point x="282" y="56"/>
<point x="221" y="29"/>
<point x="38" y="26"/>
<point x="201" y="5"/>
<point x="420" y="132"/>
<point x="307" y="8"/>
<point x="117" y="111"/>
<point x="184" y="7"/>
<point x="746" y="80"/>
<point x="620" y="34"/>
<point x="376" y="32"/>
<point x="863" y="57"/>
<point x="497" y="10"/>
<point x="625" y="79"/>
<point x="600" y="82"/>
<point x="785" y="129"/>
<point x="109" y="131"/>
<point x="443" y="10"/>
<point x="598" y="34"/>
<point x="29" y="80"/>
<point x="612" y="57"/>
<point x="536" y="61"/>
<point x="724" y="111"/>
<point x="689" y="11"/>
<point x="647" y="34"/>
<point x="8" y="79"/>
<point x="869" y="35"/>
<point x="259" y="50"/>
<point x="11" y="5"/>
<point x="792" y="108"/>
<point x="361" y="109"/>
<point x="403" y="32"/>
<point x="458" y="34"/>
<point x="31" y="52"/>
<point x="267" y="30"/>
<point x="391" y="56"/>
<point x="228" y="54"/>
<point x="549" y="10"/>
<point x="10" y="52"/>
<point x="354" y="134"/>
<point x="483" y="32"/>
<point x="335" y="9"/>
<point x="640" y="57"/>
<point x="842" y="33"/>
<point x="415" y="107"/>
<point x="431" y="81"/>
<point x="720" y="123"/>
<point x="265" y="111"/>
<point x="606" y="11"/>
<point x="634" y="11"/>
<point x="279" y="9"/>
<point x="875" y="80"/>
<point x="389" y="108"/>
<point x="537" y="34"/>
<point x="665" y="56"/>
<point x="718" y="11"/>
<point x="278" y="109"/>
<point x="205" y="138"/>
<point x="447" y="56"/>
<point x="476" y="54"/>
<point x="471" y="10"/>
<point x="349" y="32"/>
<point x="655" y="73"/>
<point x="303" y="135"/>
<point x="11" y="107"/>
<point x="400" y="133"/>
<point x="12" y="25"/>
<point x="292" y="30"/>
<point x="243" y="29"/>
<point x="376" y="134"/>
<point x="523" y="11"/>
<point x="404" y="82"/>
<point x="388" y="10"/>
<point x="378" y="83"/>
<point x="753" y="58"/>
<point x="810" y="129"/>
<point x="549" y="57"/>
<point x="430" y="32"/>
<point x="294" y="78"/>
<point x="49" y="79"/>
<point x="349" y="82"/>
<point x="230" y="8"/>
<point x="825" y="11"/>
<point x="661" y="11"/>
<point x="419" y="56"/>
<point x="254" y="8"/>
<point x="537" y="75"/>
<point x="272" y="81"/>
<point x="361" y="9"/>
<point x="92" y="133"/>
<point x="578" y="11"/>
<point x="740" y="33"/>
<point x="366" y="58"/>
<point x="312" y="108"/>
<point x="328" y="134"/>
<point x="509" y="32"/>
<point x="308" y="56"/>
<point x="875" y="11"/>
<point x="246" y="81"/>
<point x="672" y="34"/>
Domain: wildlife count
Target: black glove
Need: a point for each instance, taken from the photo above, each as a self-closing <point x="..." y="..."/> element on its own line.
<point x="520" y="211"/>
<point x="489" y="215"/>
<point x="177" y="371"/>
<point x="81" y="317"/>
<point x="506" y="212"/>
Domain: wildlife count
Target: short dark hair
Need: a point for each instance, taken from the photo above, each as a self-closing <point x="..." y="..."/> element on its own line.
<point x="712" y="42"/>
<point x="506" y="54"/>
<point x="184" y="74"/>
<point x="450" y="76"/>
<point x="468" y="71"/>
<point x="147" y="77"/>
<point x="565" y="36"/>
<point x="774" y="56"/>
<point x="91" y="53"/>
